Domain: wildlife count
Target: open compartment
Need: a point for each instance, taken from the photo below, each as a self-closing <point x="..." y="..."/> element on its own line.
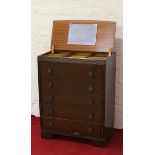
<point x="62" y="45"/>
<point x="79" y="55"/>
<point x="60" y="54"/>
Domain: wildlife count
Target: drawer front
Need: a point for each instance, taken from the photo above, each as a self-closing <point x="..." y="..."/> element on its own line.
<point x="71" y="127"/>
<point x="72" y="87"/>
<point x="80" y="114"/>
<point x="76" y="101"/>
<point x="70" y="71"/>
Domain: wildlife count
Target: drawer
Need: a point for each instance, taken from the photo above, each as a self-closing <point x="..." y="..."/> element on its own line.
<point x="72" y="87"/>
<point x="72" y="100"/>
<point x="50" y="70"/>
<point x="71" y="127"/>
<point x="71" y="113"/>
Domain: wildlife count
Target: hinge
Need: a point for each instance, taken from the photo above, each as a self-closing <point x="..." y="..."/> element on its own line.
<point x="109" y="52"/>
<point x="52" y="49"/>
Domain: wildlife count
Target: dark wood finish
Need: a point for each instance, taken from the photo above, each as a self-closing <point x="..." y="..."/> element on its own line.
<point x="110" y="95"/>
<point x="71" y="127"/>
<point x="50" y="71"/>
<point x="69" y="100"/>
<point x="71" y="87"/>
<point x="77" y="101"/>
<point x="77" y="96"/>
<point x="80" y="114"/>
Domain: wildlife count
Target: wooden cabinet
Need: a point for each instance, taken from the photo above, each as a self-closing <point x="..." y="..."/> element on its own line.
<point x="77" y="96"/>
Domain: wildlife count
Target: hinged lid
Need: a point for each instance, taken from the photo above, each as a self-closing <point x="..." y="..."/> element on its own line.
<point x="104" y="38"/>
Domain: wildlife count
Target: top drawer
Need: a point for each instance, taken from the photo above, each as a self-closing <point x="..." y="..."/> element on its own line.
<point x="50" y="70"/>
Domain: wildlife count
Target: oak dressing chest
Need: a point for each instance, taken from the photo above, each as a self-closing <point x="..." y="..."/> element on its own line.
<point x="77" y="84"/>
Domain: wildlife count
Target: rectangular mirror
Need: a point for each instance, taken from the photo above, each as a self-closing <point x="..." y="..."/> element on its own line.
<point x="82" y="34"/>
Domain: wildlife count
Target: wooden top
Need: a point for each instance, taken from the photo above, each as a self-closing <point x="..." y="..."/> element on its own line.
<point x="104" y="39"/>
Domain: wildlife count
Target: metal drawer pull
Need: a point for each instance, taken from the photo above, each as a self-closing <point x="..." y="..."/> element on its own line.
<point x="91" y="88"/>
<point x="49" y="71"/>
<point x="51" y="111"/>
<point x="50" y="84"/>
<point x="50" y="98"/>
<point x="91" y="102"/>
<point x="50" y="124"/>
<point x="91" y="116"/>
<point x="90" y="130"/>
<point x="76" y="133"/>
<point x="91" y="74"/>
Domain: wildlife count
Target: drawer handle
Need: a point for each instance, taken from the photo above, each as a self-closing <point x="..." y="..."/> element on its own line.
<point x="91" y="116"/>
<point x="90" y="130"/>
<point x="49" y="71"/>
<point x="91" y="88"/>
<point x="50" y="124"/>
<point x="50" y="85"/>
<point x="50" y="98"/>
<point x="91" y="102"/>
<point x="76" y="133"/>
<point x="51" y="111"/>
<point x="91" y="74"/>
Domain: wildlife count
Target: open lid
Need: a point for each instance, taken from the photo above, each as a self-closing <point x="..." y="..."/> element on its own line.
<point x="103" y="41"/>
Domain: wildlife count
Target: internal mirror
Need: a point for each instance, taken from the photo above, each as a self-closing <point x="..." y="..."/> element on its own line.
<point x="82" y="34"/>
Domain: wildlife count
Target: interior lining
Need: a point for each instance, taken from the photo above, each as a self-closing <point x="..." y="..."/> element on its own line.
<point x="79" y="55"/>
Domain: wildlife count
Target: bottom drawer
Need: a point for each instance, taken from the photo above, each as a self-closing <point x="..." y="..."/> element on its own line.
<point x="71" y="127"/>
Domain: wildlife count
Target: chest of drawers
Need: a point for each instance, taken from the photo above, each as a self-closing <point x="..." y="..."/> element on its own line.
<point x="77" y="97"/>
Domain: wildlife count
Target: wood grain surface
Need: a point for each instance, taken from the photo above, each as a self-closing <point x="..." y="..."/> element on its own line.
<point x="104" y="40"/>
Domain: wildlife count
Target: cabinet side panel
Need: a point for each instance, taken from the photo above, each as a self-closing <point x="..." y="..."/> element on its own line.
<point x="110" y="94"/>
<point x="39" y="89"/>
